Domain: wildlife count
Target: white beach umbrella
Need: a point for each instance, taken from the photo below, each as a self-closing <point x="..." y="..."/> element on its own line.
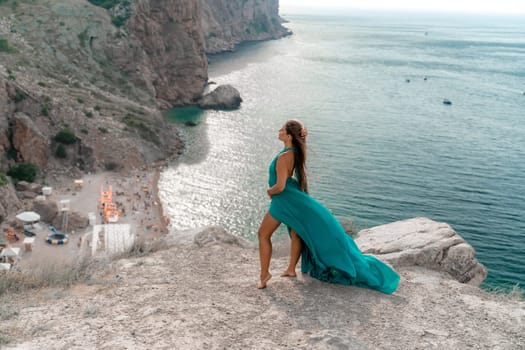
<point x="28" y="216"/>
<point x="11" y="252"/>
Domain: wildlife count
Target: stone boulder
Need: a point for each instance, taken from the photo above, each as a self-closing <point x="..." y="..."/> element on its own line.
<point x="28" y="186"/>
<point x="423" y="242"/>
<point x="31" y="144"/>
<point x="223" y="97"/>
<point x="216" y="235"/>
<point x="75" y="221"/>
<point x="26" y="194"/>
<point x="205" y="236"/>
<point x="48" y="210"/>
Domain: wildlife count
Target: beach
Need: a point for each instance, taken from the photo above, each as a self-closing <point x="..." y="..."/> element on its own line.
<point x="135" y="194"/>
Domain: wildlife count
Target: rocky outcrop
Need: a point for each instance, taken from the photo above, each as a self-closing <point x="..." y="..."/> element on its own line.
<point x="207" y="236"/>
<point x="28" y="186"/>
<point x="9" y="202"/>
<point x="4" y="123"/>
<point x="48" y="210"/>
<point x="75" y="221"/>
<point x="223" y="97"/>
<point x="226" y="23"/>
<point x="426" y="243"/>
<point x="172" y="41"/>
<point x="31" y="144"/>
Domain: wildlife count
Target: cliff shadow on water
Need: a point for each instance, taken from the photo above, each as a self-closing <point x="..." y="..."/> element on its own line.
<point x="191" y="121"/>
<point x="245" y="54"/>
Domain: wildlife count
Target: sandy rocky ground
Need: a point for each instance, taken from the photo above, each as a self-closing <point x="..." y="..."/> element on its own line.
<point x="199" y="293"/>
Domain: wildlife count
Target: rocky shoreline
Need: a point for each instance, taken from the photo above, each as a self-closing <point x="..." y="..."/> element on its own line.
<point x="198" y="292"/>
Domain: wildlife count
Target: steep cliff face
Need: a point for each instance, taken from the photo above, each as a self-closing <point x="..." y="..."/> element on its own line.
<point x="4" y="124"/>
<point x="9" y="202"/>
<point x="31" y="144"/>
<point x="67" y="65"/>
<point x="171" y="37"/>
<point x="226" y="23"/>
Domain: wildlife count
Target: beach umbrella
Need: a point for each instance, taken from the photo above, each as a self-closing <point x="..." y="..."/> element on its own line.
<point x="28" y="216"/>
<point x="10" y="252"/>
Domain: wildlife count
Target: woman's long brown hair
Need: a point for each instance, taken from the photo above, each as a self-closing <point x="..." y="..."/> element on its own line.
<point x="298" y="133"/>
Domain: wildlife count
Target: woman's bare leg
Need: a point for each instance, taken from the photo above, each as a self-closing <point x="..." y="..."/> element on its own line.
<point x="267" y="228"/>
<point x="295" y="253"/>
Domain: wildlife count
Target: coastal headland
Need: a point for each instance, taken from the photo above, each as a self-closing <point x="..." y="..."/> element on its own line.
<point x="198" y="292"/>
<point x="103" y="77"/>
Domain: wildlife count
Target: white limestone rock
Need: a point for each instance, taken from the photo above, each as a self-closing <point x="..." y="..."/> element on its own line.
<point x="423" y="242"/>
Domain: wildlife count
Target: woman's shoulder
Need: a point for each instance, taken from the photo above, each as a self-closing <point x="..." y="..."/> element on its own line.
<point x="286" y="155"/>
<point x="288" y="150"/>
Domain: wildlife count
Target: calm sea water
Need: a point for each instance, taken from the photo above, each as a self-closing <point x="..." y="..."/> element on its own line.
<point x="382" y="149"/>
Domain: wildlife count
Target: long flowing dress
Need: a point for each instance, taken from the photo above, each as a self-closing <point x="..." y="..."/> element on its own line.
<point x="328" y="252"/>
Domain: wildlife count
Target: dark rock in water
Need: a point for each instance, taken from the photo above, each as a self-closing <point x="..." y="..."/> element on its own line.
<point x="425" y="78"/>
<point x="223" y="97"/>
<point x="212" y="83"/>
<point x="408" y="80"/>
<point x="190" y="123"/>
<point x="447" y="102"/>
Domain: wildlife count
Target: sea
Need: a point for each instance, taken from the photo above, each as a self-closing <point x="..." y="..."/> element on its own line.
<point x="383" y="146"/>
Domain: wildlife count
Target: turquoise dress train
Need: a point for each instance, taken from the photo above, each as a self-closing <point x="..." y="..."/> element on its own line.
<point x="328" y="252"/>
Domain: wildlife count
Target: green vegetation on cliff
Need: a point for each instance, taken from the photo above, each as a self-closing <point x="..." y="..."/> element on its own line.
<point x="23" y="172"/>
<point x="5" y="47"/>
<point x="60" y="151"/>
<point x="3" y="179"/>
<point x="66" y="136"/>
<point x="107" y="4"/>
<point x="141" y="126"/>
<point x="118" y="19"/>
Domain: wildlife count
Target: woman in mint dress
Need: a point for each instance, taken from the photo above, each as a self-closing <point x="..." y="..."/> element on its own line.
<point x="327" y="252"/>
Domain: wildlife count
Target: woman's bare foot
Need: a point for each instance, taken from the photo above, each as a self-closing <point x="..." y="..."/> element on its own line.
<point x="288" y="273"/>
<point x="263" y="281"/>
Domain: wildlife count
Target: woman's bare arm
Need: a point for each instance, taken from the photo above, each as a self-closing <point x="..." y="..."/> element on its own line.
<point x="284" y="169"/>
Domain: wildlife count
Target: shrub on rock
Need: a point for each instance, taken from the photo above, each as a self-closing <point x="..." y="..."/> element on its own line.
<point x="23" y="172"/>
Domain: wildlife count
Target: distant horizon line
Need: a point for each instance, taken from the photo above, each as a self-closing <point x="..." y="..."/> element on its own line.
<point x="341" y="10"/>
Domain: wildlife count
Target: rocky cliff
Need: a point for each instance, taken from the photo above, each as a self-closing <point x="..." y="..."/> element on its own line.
<point x="105" y="72"/>
<point x="66" y="65"/>
<point x="227" y="23"/>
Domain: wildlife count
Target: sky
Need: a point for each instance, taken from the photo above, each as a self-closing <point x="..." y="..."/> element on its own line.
<point x="474" y="6"/>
